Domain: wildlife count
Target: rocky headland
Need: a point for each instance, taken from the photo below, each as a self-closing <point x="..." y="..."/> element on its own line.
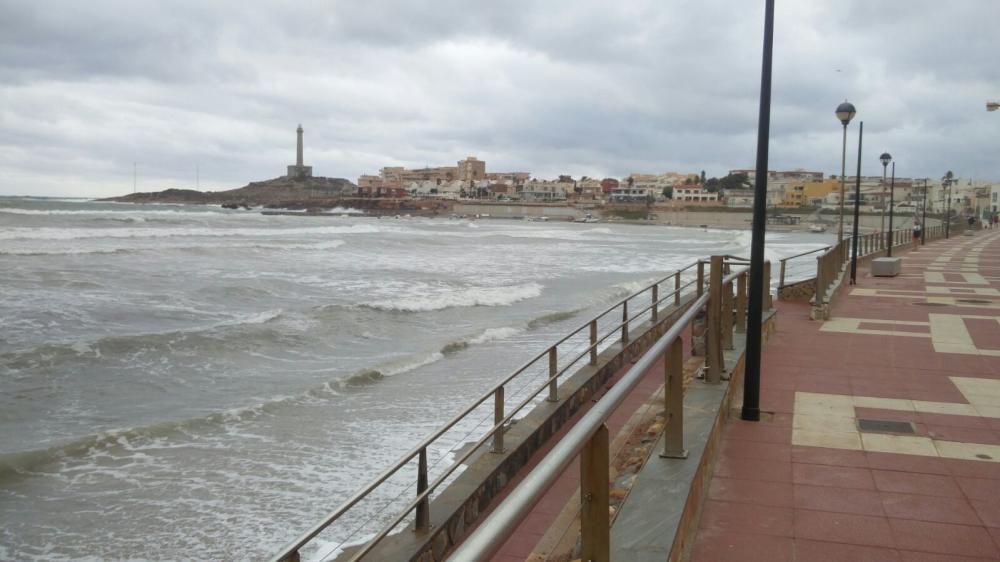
<point x="280" y="192"/>
<point x="311" y="194"/>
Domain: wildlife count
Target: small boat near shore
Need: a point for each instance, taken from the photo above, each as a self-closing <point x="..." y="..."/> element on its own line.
<point x="817" y="228"/>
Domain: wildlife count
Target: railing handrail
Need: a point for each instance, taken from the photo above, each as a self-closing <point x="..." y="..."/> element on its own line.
<point x="303" y="539"/>
<point x="813" y="251"/>
<point x="504" y="519"/>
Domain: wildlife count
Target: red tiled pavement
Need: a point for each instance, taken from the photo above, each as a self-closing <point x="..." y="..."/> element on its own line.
<point x="771" y="500"/>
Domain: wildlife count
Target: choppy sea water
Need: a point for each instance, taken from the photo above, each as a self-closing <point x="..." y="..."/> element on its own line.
<point x="183" y="382"/>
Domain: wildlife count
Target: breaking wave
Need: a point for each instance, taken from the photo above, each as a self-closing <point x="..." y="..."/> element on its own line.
<point x="46" y="233"/>
<point x="133" y="214"/>
<point x="488" y="335"/>
<point x="473" y="296"/>
<point x="218" y="336"/>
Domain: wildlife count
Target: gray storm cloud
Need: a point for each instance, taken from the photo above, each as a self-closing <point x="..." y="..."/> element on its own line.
<point x="577" y="87"/>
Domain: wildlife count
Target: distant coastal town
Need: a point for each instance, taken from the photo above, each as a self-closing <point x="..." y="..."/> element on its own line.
<point x="468" y="185"/>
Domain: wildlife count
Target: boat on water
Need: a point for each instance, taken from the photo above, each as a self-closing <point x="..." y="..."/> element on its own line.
<point x="588" y="218"/>
<point x="817" y="228"/>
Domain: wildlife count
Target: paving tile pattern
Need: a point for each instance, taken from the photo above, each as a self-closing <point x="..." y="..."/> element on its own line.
<point x="810" y="486"/>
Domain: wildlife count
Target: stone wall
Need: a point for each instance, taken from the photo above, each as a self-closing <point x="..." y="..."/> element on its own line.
<point x="799" y="291"/>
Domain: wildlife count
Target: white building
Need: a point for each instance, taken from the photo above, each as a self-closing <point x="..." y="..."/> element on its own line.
<point x="633" y="194"/>
<point x="694" y="193"/>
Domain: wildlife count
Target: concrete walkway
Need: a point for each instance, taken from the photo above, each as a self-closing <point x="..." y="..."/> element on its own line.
<point x="828" y="477"/>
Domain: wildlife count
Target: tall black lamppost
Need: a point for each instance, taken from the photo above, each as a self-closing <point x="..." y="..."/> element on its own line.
<point x="755" y="306"/>
<point x="857" y="210"/>
<point x="885" y="158"/>
<point x="845" y="112"/>
<point x="923" y="218"/>
<point x="946" y="182"/>
<point x="892" y="203"/>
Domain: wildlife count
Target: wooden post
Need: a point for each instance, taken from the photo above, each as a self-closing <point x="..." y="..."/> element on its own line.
<point x="781" y="276"/>
<point x="497" y="446"/>
<point x="624" y="324"/>
<point x="677" y="289"/>
<point x="767" y="286"/>
<point x="656" y="302"/>
<point x="673" y="401"/>
<point x="595" y="521"/>
<point x="727" y="316"/>
<point x="553" y="369"/>
<point x="701" y="278"/>
<point x="424" y="506"/>
<point x="741" y="304"/>
<point x="593" y="342"/>
<point x="820" y="279"/>
<point x="713" y="335"/>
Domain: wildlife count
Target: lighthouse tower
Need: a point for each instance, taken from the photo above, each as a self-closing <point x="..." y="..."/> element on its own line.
<point x="299" y="170"/>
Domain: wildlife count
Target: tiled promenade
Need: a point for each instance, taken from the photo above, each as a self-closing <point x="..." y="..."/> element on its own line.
<point x="808" y="485"/>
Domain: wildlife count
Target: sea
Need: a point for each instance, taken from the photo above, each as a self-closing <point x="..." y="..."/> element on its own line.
<point x="195" y="383"/>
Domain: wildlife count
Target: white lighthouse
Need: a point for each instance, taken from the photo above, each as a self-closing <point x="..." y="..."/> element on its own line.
<point x="299" y="170"/>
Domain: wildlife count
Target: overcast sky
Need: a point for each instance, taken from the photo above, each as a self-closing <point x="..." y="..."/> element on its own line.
<point x="580" y="87"/>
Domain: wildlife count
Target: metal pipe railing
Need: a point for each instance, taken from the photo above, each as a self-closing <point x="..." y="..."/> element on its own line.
<point x="491" y="534"/>
<point x="501" y="416"/>
<point x="589" y="436"/>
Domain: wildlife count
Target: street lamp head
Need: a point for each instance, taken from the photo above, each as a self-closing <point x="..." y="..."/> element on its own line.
<point x="845" y="112"/>
<point x="885" y="158"/>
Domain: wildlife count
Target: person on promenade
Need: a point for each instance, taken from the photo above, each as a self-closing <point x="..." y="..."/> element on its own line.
<point x="917" y="232"/>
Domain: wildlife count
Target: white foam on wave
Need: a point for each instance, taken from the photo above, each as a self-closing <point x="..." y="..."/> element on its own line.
<point x="130" y="212"/>
<point x="411" y="364"/>
<point x="47" y="233"/>
<point x="472" y="296"/>
<point x="326" y="245"/>
<point x="60" y="252"/>
<point x="253" y="318"/>
<point x="495" y="334"/>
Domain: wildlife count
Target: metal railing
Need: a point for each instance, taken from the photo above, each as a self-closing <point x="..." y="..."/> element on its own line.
<point x="784" y="262"/>
<point x="830" y="262"/>
<point x="589" y="436"/>
<point x="618" y="331"/>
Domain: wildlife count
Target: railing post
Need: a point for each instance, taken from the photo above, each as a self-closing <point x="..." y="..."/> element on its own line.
<point x="713" y="334"/>
<point x="727" y="316"/>
<point x="677" y="289"/>
<point x="767" y="286"/>
<point x="424" y="506"/>
<point x="781" y="276"/>
<point x="673" y="401"/>
<point x="701" y="278"/>
<point x="820" y="279"/>
<point x="656" y="302"/>
<point x="595" y="521"/>
<point x="593" y="342"/>
<point x="497" y="418"/>
<point x="553" y="369"/>
<point x="741" y="304"/>
<point x="624" y="324"/>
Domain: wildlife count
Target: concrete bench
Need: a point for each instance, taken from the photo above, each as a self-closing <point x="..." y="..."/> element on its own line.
<point x="886" y="267"/>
